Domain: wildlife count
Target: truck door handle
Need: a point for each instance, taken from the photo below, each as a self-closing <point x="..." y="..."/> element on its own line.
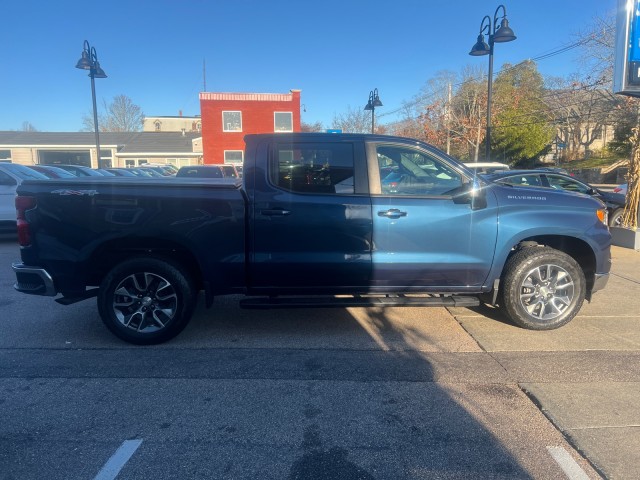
<point x="392" y="213"/>
<point x="277" y="212"/>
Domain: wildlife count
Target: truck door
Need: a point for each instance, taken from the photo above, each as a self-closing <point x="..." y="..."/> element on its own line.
<point x="425" y="231"/>
<point x="311" y="217"/>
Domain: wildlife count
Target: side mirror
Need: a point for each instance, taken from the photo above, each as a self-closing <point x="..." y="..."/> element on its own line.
<point x="472" y="193"/>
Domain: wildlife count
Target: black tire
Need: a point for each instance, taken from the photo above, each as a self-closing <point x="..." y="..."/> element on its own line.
<point x="146" y="301"/>
<point x="615" y="220"/>
<point x="542" y="288"/>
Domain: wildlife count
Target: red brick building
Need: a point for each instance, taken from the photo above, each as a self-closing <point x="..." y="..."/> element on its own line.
<point x="228" y="117"/>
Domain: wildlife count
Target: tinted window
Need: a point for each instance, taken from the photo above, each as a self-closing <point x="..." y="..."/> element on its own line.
<point x="23" y="172"/>
<point x="564" y="183"/>
<point x="524" y="180"/>
<point x="313" y="167"/>
<point x="405" y="171"/>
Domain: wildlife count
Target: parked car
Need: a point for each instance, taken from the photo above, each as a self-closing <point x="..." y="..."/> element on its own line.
<point x="144" y="172"/>
<point x="311" y="226"/>
<point x="12" y="175"/>
<point x="51" y="171"/>
<point x="80" y="170"/>
<point x="549" y="179"/>
<point x="121" y="172"/>
<point x="230" y="171"/>
<point x="486" y="167"/>
<point x="555" y="170"/>
<point x="621" y="189"/>
<point x="201" y="171"/>
<point x="164" y="170"/>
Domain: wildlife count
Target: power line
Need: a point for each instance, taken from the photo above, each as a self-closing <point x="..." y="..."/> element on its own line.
<point x="545" y="56"/>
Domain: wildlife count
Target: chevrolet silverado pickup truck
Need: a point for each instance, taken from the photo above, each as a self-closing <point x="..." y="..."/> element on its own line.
<point x="318" y="220"/>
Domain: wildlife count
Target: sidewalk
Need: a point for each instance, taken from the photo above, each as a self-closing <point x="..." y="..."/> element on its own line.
<point x="585" y="377"/>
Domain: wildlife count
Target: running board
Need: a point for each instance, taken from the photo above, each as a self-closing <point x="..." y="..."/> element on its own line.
<point x="359" y="301"/>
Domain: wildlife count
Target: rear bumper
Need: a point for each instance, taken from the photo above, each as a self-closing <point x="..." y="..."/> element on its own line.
<point x="33" y="280"/>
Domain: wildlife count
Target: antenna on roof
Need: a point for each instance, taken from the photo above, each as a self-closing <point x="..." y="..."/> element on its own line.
<point x="204" y="75"/>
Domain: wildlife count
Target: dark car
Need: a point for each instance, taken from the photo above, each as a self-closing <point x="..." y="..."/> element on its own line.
<point x="50" y="171"/>
<point x="121" y="172"/>
<point x="555" y="170"/>
<point x="201" y="171"/>
<point x="80" y="170"/>
<point x="164" y="170"/>
<point x="551" y="179"/>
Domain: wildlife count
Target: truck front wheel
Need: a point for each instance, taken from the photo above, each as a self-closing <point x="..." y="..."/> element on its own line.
<point x="146" y="300"/>
<point x="542" y="288"/>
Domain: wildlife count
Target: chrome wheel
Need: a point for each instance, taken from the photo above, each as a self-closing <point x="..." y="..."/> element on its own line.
<point x="542" y="288"/>
<point x="547" y="291"/>
<point x="145" y="302"/>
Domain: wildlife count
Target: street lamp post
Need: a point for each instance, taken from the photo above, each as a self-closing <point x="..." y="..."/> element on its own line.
<point x="89" y="61"/>
<point x="374" y="101"/>
<point x="500" y="34"/>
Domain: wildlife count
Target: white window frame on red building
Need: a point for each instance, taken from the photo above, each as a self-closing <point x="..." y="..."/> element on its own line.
<point x="275" y="125"/>
<point x="234" y="161"/>
<point x="224" y="124"/>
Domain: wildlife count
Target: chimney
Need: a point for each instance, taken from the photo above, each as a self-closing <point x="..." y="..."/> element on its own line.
<point x="179" y="113"/>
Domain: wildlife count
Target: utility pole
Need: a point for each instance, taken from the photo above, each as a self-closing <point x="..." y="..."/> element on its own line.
<point x="448" y="119"/>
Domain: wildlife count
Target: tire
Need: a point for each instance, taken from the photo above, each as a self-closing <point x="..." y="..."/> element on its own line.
<point x="542" y="288"/>
<point x="146" y="301"/>
<point x="615" y="220"/>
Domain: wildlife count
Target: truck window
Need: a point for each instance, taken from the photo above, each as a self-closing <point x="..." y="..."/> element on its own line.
<point x="325" y="168"/>
<point x="405" y="171"/>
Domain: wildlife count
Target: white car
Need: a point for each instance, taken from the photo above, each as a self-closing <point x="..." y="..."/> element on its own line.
<point x="486" y="167"/>
<point x="12" y="175"/>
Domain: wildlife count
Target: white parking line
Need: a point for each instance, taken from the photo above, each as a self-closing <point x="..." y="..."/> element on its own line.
<point x="118" y="460"/>
<point x="569" y="466"/>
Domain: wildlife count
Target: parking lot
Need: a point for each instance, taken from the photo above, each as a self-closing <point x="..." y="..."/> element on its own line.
<point x="328" y="393"/>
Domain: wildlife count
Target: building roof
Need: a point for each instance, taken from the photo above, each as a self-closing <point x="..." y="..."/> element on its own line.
<point x="125" y="142"/>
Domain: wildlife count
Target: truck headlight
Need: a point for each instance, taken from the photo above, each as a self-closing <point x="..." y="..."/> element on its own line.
<point x="603" y="215"/>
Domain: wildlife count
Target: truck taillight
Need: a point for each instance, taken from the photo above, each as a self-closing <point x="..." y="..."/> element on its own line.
<point x="24" y="203"/>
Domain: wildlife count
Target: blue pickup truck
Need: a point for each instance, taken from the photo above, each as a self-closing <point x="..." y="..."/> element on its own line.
<point x="318" y="220"/>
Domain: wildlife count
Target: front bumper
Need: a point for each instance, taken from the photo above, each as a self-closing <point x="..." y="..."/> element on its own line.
<point x="33" y="280"/>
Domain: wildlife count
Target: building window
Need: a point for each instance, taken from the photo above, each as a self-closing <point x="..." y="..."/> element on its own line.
<point x="5" y="154"/>
<point x="233" y="156"/>
<point x="231" y="121"/>
<point x="158" y="125"/>
<point x="129" y="163"/>
<point x="282" y="122"/>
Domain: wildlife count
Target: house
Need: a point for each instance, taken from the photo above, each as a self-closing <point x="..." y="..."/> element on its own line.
<point x="172" y="124"/>
<point x="118" y="149"/>
<point x="228" y="117"/>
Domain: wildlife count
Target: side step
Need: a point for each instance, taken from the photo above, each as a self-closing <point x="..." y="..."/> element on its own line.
<point x="360" y="301"/>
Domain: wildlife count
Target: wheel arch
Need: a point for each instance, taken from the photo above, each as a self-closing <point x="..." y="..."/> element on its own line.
<point x="576" y="248"/>
<point x="115" y="251"/>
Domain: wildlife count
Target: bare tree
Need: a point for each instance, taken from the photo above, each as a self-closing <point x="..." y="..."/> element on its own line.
<point x="28" y="127"/>
<point x="598" y="47"/>
<point x="354" y="121"/>
<point x="122" y="115"/>
<point x="311" y="127"/>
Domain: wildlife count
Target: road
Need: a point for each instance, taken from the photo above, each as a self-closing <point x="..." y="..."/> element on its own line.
<point x="401" y="393"/>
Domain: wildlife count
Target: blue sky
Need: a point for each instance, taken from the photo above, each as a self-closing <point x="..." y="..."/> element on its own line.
<point x="336" y="52"/>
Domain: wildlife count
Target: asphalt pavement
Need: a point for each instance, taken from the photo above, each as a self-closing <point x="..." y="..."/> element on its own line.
<point x="585" y="376"/>
<point x="323" y="393"/>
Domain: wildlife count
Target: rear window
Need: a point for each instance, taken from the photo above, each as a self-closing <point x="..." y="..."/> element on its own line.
<point x="313" y="167"/>
<point x="24" y="173"/>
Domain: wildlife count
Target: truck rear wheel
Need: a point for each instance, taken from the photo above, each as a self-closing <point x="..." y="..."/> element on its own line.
<point x="146" y="300"/>
<point x="542" y="288"/>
